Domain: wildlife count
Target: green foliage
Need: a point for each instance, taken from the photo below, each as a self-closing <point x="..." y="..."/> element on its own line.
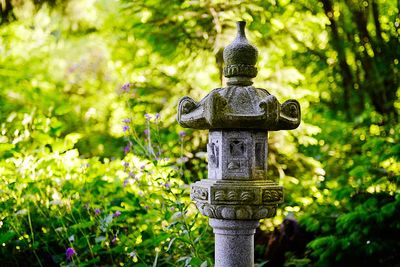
<point x="110" y="212"/>
<point x="67" y="168"/>
<point x="356" y="216"/>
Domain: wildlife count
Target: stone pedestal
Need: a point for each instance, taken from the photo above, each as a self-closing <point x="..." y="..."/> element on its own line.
<point x="237" y="187"/>
<point x="234" y="242"/>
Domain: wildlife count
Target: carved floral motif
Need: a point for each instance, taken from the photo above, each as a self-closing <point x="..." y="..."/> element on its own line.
<point x="236" y="212"/>
<point x="199" y="193"/>
<point x="272" y="195"/>
<point x="234" y="195"/>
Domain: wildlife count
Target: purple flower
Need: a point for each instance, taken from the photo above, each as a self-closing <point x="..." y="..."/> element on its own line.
<point x="117" y="214"/>
<point x="97" y="211"/>
<point x="126" y="121"/>
<point x="126" y="164"/>
<point x="125" y="128"/>
<point x="69" y="253"/>
<point x="146" y="132"/>
<point x="182" y="134"/>
<point x="125" y="183"/>
<point x="131" y="174"/>
<point x="157" y="116"/>
<point x="147" y="116"/>
<point x="114" y="240"/>
<point x="72" y="68"/>
<point x="127" y="148"/>
<point x="126" y="87"/>
<point x="132" y="254"/>
<point x="167" y="185"/>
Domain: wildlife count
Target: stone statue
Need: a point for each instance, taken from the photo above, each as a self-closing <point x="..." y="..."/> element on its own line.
<point x="238" y="191"/>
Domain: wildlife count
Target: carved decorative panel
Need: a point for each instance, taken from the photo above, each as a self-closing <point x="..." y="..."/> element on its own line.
<point x="260" y="155"/>
<point x="237" y="148"/>
<point x="199" y="193"/>
<point x="242" y="212"/>
<point x="213" y="155"/>
<point x="234" y="195"/>
<point x="234" y="165"/>
<point x="272" y="195"/>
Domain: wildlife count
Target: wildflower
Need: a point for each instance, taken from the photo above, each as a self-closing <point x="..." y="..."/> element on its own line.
<point x="126" y="121"/>
<point x="60" y="229"/>
<point x="157" y="116"/>
<point x="167" y="185"/>
<point x="57" y="202"/>
<point x="125" y="128"/>
<point x="127" y="148"/>
<point x="131" y="174"/>
<point x="72" y="68"/>
<point x="182" y="160"/>
<point x="132" y="254"/>
<point x="117" y="214"/>
<point x="125" y="183"/>
<point x="86" y="165"/>
<point x="25" y="211"/>
<point x="126" y="164"/>
<point x="176" y="216"/>
<point x="126" y="87"/>
<point x="69" y="253"/>
<point x="182" y="134"/>
<point x="146" y="132"/>
<point x="147" y="116"/>
<point x="97" y="211"/>
<point x="114" y="240"/>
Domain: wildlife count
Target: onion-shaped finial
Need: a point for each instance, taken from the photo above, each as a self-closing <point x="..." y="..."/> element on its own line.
<point x="240" y="56"/>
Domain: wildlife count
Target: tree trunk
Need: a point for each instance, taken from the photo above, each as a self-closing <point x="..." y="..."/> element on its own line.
<point x="338" y="45"/>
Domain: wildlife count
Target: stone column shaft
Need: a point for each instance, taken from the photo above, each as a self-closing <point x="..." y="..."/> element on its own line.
<point x="234" y="242"/>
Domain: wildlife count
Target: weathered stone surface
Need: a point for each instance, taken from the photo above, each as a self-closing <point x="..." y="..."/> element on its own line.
<point x="234" y="242"/>
<point x="239" y="105"/>
<point x="240" y="56"/>
<point x="237" y="155"/>
<point x="238" y="191"/>
<point x="236" y="200"/>
<point x="237" y="187"/>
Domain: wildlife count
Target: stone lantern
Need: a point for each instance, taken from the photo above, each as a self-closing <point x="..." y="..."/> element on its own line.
<point x="238" y="192"/>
